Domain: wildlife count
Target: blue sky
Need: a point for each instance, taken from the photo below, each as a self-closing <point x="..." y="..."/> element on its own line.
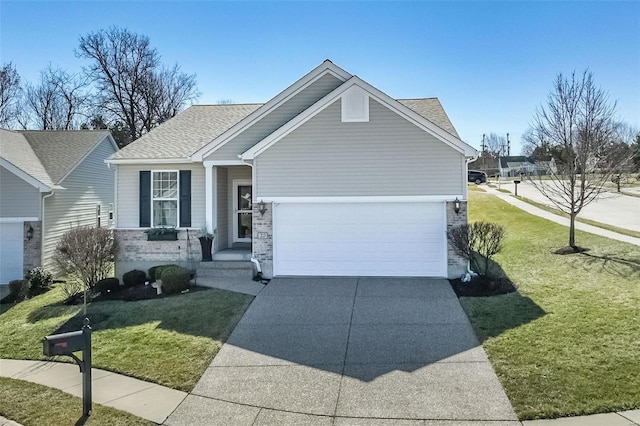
<point x="490" y="63"/>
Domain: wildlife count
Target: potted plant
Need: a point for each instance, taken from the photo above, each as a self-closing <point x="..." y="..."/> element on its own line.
<point x="206" y="243"/>
<point x="162" y="233"/>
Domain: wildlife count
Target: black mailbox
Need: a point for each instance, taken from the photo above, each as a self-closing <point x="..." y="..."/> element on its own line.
<point x="516" y="181"/>
<point x="64" y="343"/>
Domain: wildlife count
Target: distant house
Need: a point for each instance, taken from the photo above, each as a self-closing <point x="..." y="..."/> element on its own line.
<point x="50" y="182"/>
<point x="516" y="166"/>
<point x="330" y="177"/>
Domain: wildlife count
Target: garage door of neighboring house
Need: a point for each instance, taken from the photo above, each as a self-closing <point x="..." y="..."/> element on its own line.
<point x="11" y="248"/>
<point x="360" y="239"/>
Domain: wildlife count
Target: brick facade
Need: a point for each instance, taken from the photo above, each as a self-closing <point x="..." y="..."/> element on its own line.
<point x="263" y="238"/>
<point x="32" y="248"/>
<point x="456" y="265"/>
<point x="138" y="253"/>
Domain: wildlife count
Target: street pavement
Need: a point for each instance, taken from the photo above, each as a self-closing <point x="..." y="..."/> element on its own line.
<point x="609" y="208"/>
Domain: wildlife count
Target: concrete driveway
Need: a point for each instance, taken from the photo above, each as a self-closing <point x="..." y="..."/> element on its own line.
<point x="350" y="351"/>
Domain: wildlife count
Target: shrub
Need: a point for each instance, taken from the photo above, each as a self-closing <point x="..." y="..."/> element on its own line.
<point x="481" y="238"/>
<point x="134" y="278"/>
<point x="71" y="288"/>
<point x="175" y="279"/>
<point x="155" y="272"/>
<point x="19" y="289"/>
<point x="39" y="279"/>
<point x="108" y="285"/>
<point x="86" y="254"/>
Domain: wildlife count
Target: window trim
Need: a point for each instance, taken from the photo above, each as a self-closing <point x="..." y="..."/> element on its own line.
<point x="176" y="199"/>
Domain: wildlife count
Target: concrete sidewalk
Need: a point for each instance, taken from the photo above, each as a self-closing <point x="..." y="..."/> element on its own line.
<point x="350" y="351"/>
<point x="559" y="219"/>
<point x="143" y="399"/>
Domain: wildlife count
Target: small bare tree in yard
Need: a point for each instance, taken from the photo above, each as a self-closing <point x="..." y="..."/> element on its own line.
<point x="577" y="128"/>
<point x="477" y="242"/>
<point x="86" y="255"/>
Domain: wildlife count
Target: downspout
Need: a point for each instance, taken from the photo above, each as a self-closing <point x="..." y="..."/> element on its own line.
<point x="470" y="274"/>
<point x="42" y="229"/>
<point x="253" y="259"/>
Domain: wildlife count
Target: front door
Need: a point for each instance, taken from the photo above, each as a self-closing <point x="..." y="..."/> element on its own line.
<point x="242" y="208"/>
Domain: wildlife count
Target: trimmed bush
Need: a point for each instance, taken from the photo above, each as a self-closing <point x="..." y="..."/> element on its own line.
<point x="175" y="279"/>
<point x="155" y="272"/>
<point x="108" y="285"/>
<point x="134" y="278"/>
<point x="40" y="280"/>
<point x="19" y="289"/>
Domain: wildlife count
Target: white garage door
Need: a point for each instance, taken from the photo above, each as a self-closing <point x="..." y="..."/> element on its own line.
<point x="366" y="239"/>
<point x="10" y="252"/>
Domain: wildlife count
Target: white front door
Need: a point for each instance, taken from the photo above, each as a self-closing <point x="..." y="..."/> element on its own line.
<point x="242" y="208"/>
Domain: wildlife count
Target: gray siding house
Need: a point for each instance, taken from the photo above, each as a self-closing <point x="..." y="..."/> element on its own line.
<point x="50" y="182"/>
<point x="330" y="177"/>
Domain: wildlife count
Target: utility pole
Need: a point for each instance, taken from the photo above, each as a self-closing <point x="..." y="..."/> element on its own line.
<point x="508" y="146"/>
<point x="484" y="168"/>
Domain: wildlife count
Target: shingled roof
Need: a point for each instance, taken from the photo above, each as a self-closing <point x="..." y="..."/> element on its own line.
<point x="48" y="155"/>
<point x="192" y="129"/>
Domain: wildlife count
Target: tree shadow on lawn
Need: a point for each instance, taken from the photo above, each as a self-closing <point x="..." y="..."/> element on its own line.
<point x="613" y="264"/>
<point x="494" y="313"/>
<point x="209" y="313"/>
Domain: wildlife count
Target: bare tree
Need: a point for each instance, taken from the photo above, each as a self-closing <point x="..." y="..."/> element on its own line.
<point x="495" y="146"/>
<point x="577" y="128"/>
<point x="132" y="88"/>
<point x="58" y="102"/>
<point x="10" y="93"/>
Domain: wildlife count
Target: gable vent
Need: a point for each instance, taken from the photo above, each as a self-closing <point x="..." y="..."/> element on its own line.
<point x="355" y="105"/>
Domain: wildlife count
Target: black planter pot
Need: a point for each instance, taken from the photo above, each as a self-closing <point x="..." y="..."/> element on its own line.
<point x="205" y="245"/>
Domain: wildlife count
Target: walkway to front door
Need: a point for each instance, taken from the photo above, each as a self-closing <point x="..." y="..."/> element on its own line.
<point x="348" y="351"/>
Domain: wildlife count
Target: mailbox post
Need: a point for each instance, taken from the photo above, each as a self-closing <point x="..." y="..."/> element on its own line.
<point x="67" y="344"/>
<point x="516" y="182"/>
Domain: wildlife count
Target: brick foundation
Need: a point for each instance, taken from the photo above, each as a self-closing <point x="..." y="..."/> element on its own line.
<point x="456" y="265"/>
<point x="32" y="248"/>
<point x="263" y="238"/>
<point x="138" y="253"/>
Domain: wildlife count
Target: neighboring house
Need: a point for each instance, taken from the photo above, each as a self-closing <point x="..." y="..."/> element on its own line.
<point x="516" y="166"/>
<point x="545" y="166"/>
<point x="50" y="182"/>
<point x="330" y="177"/>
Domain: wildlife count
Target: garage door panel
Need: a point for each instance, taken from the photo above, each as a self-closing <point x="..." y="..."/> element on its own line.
<point x="11" y="248"/>
<point x="386" y="239"/>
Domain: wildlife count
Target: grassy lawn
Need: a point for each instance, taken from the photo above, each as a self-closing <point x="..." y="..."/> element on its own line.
<point x="568" y="343"/>
<point x="170" y="341"/>
<point x="37" y="405"/>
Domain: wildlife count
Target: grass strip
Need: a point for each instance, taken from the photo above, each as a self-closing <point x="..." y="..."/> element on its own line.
<point x="170" y="341"/>
<point x="601" y="225"/>
<point x="35" y="405"/>
<point x="567" y="342"/>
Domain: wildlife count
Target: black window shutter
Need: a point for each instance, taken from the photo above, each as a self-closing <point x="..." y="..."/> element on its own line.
<point x="145" y="198"/>
<point x="185" y="198"/>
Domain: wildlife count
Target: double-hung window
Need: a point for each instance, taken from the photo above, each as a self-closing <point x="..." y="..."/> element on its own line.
<point x="164" y="198"/>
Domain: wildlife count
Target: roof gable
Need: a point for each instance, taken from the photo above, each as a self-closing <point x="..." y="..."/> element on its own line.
<point x="396" y="106"/>
<point x="17" y="156"/>
<point x="326" y="68"/>
<point x="61" y="151"/>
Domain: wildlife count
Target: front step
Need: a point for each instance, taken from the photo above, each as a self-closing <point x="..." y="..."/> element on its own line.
<point x="226" y="269"/>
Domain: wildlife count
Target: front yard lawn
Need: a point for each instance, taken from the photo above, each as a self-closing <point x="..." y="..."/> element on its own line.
<point x="170" y="341"/>
<point x="33" y="404"/>
<point x="568" y="342"/>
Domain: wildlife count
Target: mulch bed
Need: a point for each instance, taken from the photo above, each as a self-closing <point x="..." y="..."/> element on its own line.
<point x="128" y="294"/>
<point x="479" y="287"/>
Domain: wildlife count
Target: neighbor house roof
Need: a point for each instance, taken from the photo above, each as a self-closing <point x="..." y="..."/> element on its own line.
<point x="192" y="129"/>
<point x="506" y="162"/>
<point x="15" y="149"/>
<point x="48" y="155"/>
<point x="60" y="151"/>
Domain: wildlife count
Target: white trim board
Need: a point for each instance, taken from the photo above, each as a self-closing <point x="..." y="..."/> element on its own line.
<point x="25" y="176"/>
<point x="365" y="199"/>
<point x="18" y="219"/>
